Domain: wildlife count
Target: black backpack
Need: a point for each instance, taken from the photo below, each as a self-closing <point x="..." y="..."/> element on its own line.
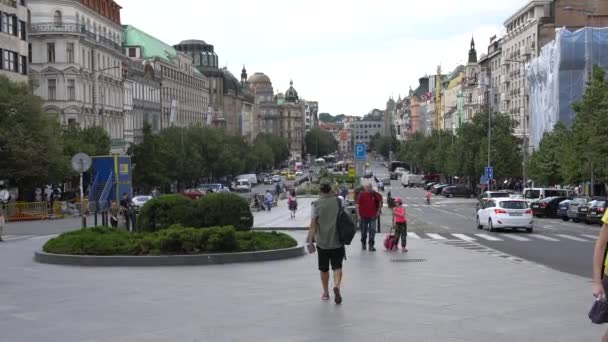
<point x="344" y="226"/>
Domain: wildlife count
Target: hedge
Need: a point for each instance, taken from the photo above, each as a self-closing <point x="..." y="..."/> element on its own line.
<point x="216" y="209"/>
<point x="172" y="241"/>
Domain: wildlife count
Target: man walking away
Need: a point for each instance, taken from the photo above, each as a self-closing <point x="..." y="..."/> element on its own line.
<point x="268" y="200"/>
<point x="368" y="208"/>
<point x="330" y="250"/>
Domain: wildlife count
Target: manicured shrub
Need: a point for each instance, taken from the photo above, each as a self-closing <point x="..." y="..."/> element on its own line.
<point x="255" y="241"/>
<point x="224" y="209"/>
<point x="166" y="210"/>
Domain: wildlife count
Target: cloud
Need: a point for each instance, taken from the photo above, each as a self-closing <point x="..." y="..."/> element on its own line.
<point x="348" y="55"/>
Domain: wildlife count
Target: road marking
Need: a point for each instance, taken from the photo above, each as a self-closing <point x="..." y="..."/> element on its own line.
<point x="435" y="236"/>
<point x="463" y="237"/>
<point x="44" y="237"/>
<point x="413" y="235"/>
<point x="549" y="227"/>
<point x="445" y="227"/>
<point x="515" y="237"/>
<point x="16" y="237"/>
<point x="488" y="237"/>
<point x="543" y="237"/>
<point x="573" y="238"/>
<point x="417" y="209"/>
<point x="451" y="213"/>
<point x="594" y="237"/>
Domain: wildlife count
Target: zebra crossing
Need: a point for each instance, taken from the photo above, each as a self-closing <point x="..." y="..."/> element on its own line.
<point x="503" y="237"/>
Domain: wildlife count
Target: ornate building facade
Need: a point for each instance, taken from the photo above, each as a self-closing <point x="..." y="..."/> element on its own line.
<point x="13" y="40"/>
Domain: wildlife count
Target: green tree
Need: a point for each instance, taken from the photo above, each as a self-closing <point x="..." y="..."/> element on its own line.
<point x="319" y="142"/>
<point x="93" y="141"/>
<point x="31" y="149"/>
<point x="279" y="146"/>
<point x="545" y="165"/>
<point x="148" y="160"/>
<point x="590" y="129"/>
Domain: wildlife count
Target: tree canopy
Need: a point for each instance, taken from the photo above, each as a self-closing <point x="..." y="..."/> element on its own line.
<point x="319" y="142"/>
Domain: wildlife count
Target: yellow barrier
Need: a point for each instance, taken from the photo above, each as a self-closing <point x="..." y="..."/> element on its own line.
<point x="26" y="211"/>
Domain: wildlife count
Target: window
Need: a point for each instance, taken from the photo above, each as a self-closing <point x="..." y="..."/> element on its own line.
<point x="71" y="90"/>
<point x="132" y="52"/>
<point x="22" y="31"/>
<point x="23" y="65"/>
<point x="12" y="25"/>
<point x="50" y="52"/>
<point x="1" y="54"/>
<point x="70" y="52"/>
<point x="52" y="89"/>
<point x="57" y="18"/>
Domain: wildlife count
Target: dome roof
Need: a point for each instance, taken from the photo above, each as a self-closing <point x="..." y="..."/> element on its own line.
<point x="192" y="41"/>
<point x="259" y="77"/>
<point x="230" y="82"/>
<point x="291" y="94"/>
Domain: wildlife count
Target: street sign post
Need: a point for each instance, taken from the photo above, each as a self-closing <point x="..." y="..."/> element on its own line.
<point x="489" y="173"/>
<point x="360" y="152"/>
<point x="81" y="162"/>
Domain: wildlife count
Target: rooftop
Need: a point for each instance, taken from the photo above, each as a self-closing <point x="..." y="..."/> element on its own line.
<point x="150" y="46"/>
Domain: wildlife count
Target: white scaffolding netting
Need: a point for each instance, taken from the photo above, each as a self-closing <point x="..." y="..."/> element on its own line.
<point x="558" y="76"/>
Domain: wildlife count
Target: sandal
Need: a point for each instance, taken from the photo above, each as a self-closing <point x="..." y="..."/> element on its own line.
<point x="325" y="297"/>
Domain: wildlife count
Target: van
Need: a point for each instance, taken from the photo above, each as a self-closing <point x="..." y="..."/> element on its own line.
<point x="253" y="179"/>
<point x="534" y="194"/>
<point x="408" y="179"/>
<point x="243" y="185"/>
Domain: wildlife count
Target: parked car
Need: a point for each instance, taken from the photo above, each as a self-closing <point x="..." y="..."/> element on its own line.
<point x="573" y="207"/>
<point x="582" y="211"/>
<point x="498" y="213"/>
<point x="193" y="193"/>
<point x="535" y="194"/>
<point x="139" y="201"/>
<point x="546" y="207"/>
<point x="429" y="185"/>
<point x="437" y="188"/>
<point x="408" y="179"/>
<point x="268" y="180"/>
<point x="251" y="177"/>
<point x="456" y="191"/>
<point x="243" y="185"/>
<point x="562" y="209"/>
<point x="276" y="178"/>
<point x="214" y="187"/>
<point x="597" y="210"/>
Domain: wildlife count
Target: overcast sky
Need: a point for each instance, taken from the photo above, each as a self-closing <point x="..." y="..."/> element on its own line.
<point x="348" y="55"/>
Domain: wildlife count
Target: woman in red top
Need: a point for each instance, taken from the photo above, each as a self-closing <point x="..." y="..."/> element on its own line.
<point x="400" y="223"/>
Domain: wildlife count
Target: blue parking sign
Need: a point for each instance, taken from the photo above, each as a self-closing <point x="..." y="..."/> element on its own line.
<point x="359" y="151"/>
<point x="489" y="174"/>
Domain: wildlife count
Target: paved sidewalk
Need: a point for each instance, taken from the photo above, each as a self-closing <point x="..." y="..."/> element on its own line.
<point x="453" y="295"/>
<point x="47" y="227"/>
<point x="279" y="217"/>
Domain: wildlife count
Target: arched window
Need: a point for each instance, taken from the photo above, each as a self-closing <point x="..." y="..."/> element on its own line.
<point x="57" y="18"/>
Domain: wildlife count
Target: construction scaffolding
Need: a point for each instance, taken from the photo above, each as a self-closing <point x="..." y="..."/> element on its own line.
<point x="557" y="78"/>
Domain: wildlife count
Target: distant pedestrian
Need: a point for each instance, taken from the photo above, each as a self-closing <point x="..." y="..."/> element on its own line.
<point x="292" y="203"/>
<point x="330" y="250"/>
<point x="600" y="260"/>
<point x="268" y="200"/>
<point x="125" y="209"/>
<point x="2" y="220"/>
<point x="114" y="214"/>
<point x="369" y="204"/>
<point x="277" y="189"/>
<point x="400" y="223"/>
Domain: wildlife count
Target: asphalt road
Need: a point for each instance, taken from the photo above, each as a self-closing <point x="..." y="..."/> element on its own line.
<point x="565" y="246"/>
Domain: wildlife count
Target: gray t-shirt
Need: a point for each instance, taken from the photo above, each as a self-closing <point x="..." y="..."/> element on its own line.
<point x="325" y="211"/>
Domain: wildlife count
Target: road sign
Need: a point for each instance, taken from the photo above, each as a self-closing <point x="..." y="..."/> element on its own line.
<point x="489" y="173"/>
<point x="483" y="180"/>
<point x="81" y="162"/>
<point x="359" y="151"/>
<point x="351" y="172"/>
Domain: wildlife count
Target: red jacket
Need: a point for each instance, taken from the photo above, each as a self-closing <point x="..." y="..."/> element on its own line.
<point x="368" y="206"/>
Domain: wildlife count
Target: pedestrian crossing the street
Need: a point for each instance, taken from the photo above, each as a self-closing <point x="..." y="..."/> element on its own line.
<point x="502" y="237"/>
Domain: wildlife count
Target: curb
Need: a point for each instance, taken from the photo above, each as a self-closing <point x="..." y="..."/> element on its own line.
<point x="168" y="260"/>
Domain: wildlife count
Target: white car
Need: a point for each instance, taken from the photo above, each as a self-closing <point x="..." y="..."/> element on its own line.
<point x="299" y="173"/>
<point x="498" y="213"/>
<point x="243" y="185"/>
<point x="276" y="178"/>
<point x="139" y="201"/>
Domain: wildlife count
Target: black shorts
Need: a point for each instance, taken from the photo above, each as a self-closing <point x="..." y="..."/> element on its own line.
<point x="333" y="256"/>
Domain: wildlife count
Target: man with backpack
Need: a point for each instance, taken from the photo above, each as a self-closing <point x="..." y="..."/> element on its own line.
<point x="369" y="204"/>
<point x="323" y="228"/>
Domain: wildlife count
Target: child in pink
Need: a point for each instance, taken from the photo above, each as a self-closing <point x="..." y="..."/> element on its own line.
<point x="400" y="223"/>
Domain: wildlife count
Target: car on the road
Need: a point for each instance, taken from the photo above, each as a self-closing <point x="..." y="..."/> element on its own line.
<point x="487" y="195"/>
<point x="535" y="194"/>
<point x="562" y="209"/>
<point x="368" y="174"/>
<point x="284" y="172"/>
<point x="268" y="180"/>
<point x="193" y="193"/>
<point x="498" y="213"/>
<point x="214" y="187"/>
<point x="139" y="201"/>
<point x="546" y="207"/>
<point x="456" y="191"/>
<point x="243" y="185"/>
<point x="573" y="207"/>
<point x="291" y="176"/>
<point x="276" y="178"/>
<point x="437" y="188"/>
<point x="583" y="209"/>
<point x="596" y="211"/>
<point x="299" y="173"/>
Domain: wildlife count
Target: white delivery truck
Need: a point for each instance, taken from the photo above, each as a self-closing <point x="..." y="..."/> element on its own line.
<point x="408" y="179"/>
